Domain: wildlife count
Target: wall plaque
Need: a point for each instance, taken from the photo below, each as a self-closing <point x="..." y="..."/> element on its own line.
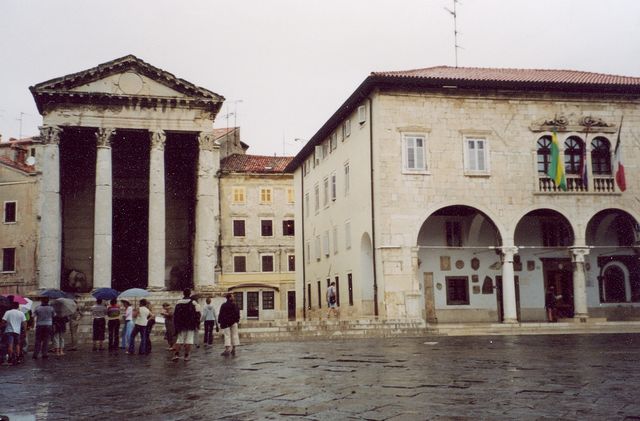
<point x="459" y="264"/>
<point x="445" y="263"/>
<point x="475" y="263"/>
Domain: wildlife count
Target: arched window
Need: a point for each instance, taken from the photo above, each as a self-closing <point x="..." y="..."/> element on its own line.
<point x="544" y="154"/>
<point x="600" y="156"/>
<point x="573" y="155"/>
<point x="614" y="285"/>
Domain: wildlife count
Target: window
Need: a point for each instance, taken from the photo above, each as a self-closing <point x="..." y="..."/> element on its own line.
<point x="266" y="227"/>
<point x="457" y="290"/>
<point x="309" y="296"/>
<point x="266" y="195"/>
<point x="317" y="155"/>
<point x="325" y="243"/>
<point x="316" y="191"/>
<point x="600" y="156"/>
<point x="238" y="228"/>
<point x="325" y="149"/>
<point x="476" y="158"/>
<point x="238" y="297"/>
<point x="288" y="227"/>
<point x="346" y="129"/>
<point x="362" y="114"/>
<point x="333" y="142"/>
<point x="306" y="205"/>
<point x="268" y="302"/>
<point x="266" y="261"/>
<point x="291" y="262"/>
<point x="239" y="263"/>
<point x="291" y="197"/>
<point x="307" y="252"/>
<point x="9" y="260"/>
<point x="414" y="153"/>
<point x="10" y="212"/>
<point x="573" y="155"/>
<point x="319" y="294"/>
<point x="333" y="187"/>
<point x="350" y="286"/>
<point x="335" y="240"/>
<point x="454" y="234"/>
<point x="337" y="280"/>
<point x="238" y="195"/>
<point x="347" y="235"/>
<point x="544" y="154"/>
<point x="346" y="179"/>
<point x="325" y="191"/>
<point x="317" y="247"/>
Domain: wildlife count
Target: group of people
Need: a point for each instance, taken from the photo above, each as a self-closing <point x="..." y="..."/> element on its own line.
<point x="121" y="325"/>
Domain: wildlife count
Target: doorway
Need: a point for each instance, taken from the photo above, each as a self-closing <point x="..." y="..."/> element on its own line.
<point x="253" y="305"/>
<point x="291" y="305"/>
<point x="499" y="297"/>
<point x="130" y="243"/>
<point x="562" y="280"/>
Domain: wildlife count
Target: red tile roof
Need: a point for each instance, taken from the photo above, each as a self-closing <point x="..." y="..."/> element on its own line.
<point x="513" y="75"/>
<point x="255" y="163"/>
<point x="17" y="165"/>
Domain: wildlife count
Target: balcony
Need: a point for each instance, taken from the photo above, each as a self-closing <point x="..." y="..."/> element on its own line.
<point x="601" y="184"/>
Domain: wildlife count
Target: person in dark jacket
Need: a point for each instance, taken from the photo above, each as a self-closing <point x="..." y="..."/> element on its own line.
<point x="228" y="319"/>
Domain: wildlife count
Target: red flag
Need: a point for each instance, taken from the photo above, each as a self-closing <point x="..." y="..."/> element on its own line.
<point x="618" y="166"/>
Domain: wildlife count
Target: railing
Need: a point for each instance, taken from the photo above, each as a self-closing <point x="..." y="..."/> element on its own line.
<point x="596" y="185"/>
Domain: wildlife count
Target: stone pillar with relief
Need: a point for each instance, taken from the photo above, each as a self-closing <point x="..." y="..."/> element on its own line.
<point x="580" y="311"/>
<point x="50" y="241"/>
<point x="157" y="212"/>
<point x="207" y="213"/>
<point x="103" y="210"/>
<point x="508" y="285"/>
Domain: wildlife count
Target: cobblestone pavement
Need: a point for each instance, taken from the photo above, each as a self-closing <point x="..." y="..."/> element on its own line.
<point x="580" y="377"/>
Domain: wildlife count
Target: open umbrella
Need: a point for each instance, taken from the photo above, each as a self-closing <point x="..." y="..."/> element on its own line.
<point x="133" y="293"/>
<point x="54" y="293"/>
<point x="17" y="298"/>
<point x="105" y="293"/>
<point x="64" y="307"/>
<point x="27" y="306"/>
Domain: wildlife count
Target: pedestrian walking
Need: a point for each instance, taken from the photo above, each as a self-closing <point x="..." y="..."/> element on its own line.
<point x="150" y="323"/>
<point x="550" y="303"/>
<point x="59" y="328"/>
<point x="74" y="324"/>
<point x="210" y="322"/>
<point x="127" y="326"/>
<point x="113" y="324"/>
<point x="14" y="321"/>
<point x="169" y="330"/>
<point x="98" y="313"/>
<point x="332" y="300"/>
<point x="228" y="319"/>
<point x="185" y="320"/>
<point x="141" y="317"/>
<point x="43" y="315"/>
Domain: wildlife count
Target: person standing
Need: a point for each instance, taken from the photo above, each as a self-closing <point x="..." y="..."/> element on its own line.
<point x="185" y="321"/>
<point x="150" y="323"/>
<point x="169" y="330"/>
<point x="59" y="328"/>
<point x="113" y="324"/>
<point x="332" y="300"/>
<point x="140" y="321"/>
<point x="44" y="328"/>
<point x="98" y="313"/>
<point x="228" y="319"/>
<point x="74" y="323"/>
<point x="14" y="321"/>
<point x="550" y="303"/>
<point x="127" y="327"/>
<point x="209" y="318"/>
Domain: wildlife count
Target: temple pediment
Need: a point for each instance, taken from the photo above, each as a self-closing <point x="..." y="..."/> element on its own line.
<point x="123" y="80"/>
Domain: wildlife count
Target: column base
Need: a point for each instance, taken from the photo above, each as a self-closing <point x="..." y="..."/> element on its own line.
<point x="580" y="318"/>
<point x="154" y="288"/>
<point x="510" y="321"/>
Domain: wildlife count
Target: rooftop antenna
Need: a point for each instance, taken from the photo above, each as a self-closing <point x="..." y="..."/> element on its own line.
<point x="20" y="120"/>
<point x="454" y="13"/>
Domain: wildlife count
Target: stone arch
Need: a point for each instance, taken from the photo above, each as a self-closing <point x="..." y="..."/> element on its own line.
<point x="602" y="219"/>
<point x="616" y="286"/>
<point x="543" y="220"/>
<point x="559" y="210"/>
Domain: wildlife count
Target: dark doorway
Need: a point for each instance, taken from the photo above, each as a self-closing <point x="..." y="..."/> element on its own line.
<point x="562" y="280"/>
<point x="291" y="304"/>
<point x="130" y="243"/>
<point x="499" y="296"/>
<point x="253" y="311"/>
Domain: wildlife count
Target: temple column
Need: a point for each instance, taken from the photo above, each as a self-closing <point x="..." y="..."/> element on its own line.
<point x="580" y="310"/>
<point x="50" y="247"/>
<point x="157" y="220"/>
<point x="207" y="212"/>
<point x="103" y="210"/>
<point x="508" y="285"/>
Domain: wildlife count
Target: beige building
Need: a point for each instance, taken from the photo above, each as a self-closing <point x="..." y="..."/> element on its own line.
<point x="257" y="235"/>
<point x="425" y="196"/>
<point x="18" y="229"/>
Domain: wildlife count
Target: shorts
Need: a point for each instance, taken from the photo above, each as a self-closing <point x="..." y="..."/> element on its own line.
<point x="12" y="338"/>
<point x="185" y="337"/>
<point x="334" y="305"/>
<point x="98" y="329"/>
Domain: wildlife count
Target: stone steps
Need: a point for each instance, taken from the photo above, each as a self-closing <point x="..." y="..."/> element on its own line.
<point x="534" y="328"/>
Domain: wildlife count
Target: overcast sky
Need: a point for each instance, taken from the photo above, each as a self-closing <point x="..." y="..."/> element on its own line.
<point x="293" y="62"/>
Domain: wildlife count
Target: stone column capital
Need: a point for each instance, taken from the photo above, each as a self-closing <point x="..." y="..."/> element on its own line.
<point x="50" y="135"/>
<point x="579" y="253"/>
<point x="158" y="139"/>
<point x="508" y="252"/>
<point x="207" y="141"/>
<point x="104" y="136"/>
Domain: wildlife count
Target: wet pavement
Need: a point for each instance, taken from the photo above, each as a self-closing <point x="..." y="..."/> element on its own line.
<point x="581" y="377"/>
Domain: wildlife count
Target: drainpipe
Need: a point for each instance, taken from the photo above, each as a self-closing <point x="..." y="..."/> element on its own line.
<point x="373" y="213"/>
<point x="303" y="262"/>
<point x="219" y="247"/>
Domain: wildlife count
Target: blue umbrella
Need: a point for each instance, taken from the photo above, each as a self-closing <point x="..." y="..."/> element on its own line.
<point x="54" y="293"/>
<point x="133" y="293"/>
<point x="105" y="293"/>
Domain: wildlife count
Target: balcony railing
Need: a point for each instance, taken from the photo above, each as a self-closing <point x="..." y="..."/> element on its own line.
<point x="601" y="184"/>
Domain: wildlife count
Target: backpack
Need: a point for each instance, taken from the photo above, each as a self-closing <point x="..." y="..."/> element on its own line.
<point x="185" y="316"/>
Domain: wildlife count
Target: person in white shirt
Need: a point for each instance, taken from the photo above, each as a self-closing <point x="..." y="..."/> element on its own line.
<point x="14" y="321"/>
<point x="127" y="327"/>
<point x="141" y="318"/>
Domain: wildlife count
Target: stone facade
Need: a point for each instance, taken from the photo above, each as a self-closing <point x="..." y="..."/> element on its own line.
<point x="452" y="217"/>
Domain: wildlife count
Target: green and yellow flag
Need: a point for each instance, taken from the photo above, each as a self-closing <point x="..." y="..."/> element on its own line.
<point x="556" y="169"/>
